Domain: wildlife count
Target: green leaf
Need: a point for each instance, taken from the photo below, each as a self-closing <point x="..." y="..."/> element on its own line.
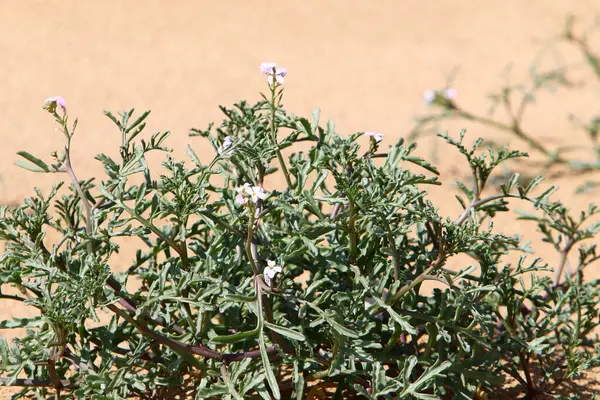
<point x="39" y="165"/>
<point x="239" y="297"/>
<point x="137" y="121"/>
<point x="317" y="230"/>
<point x="339" y="328"/>
<point x="423" y="381"/>
<point x="235" y="338"/>
<point x="400" y="320"/>
<point x="547" y="193"/>
<point x="534" y="182"/>
<point x="113" y="118"/>
<point x="422" y="163"/>
<point x="32" y="322"/>
<point x="192" y="154"/>
<point x="294" y="335"/>
<point x="298" y="379"/>
<point x="267" y="364"/>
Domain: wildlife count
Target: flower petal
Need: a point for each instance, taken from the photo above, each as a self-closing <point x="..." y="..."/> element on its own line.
<point x="429" y="96"/>
<point x="267" y="67"/>
<point x="450" y="93"/>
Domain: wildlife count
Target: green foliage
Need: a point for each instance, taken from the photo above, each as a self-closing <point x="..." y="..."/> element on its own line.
<point x="259" y="292"/>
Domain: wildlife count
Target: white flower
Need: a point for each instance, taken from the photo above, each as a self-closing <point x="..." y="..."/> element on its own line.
<point x="270" y="271"/>
<point x="248" y="192"/>
<point x="227" y="142"/>
<point x="375" y="135"/>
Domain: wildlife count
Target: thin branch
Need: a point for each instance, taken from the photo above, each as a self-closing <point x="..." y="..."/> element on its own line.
<point x="420" y="278"/>
<point x="475" y="204"/>
<point x="173" y="344"/>
<point x="273" y="109"/>
<point x="68" y="168"/>
<point x="563" y="261"/>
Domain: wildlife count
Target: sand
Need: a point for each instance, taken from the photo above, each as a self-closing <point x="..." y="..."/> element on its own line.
<point x="365" y="64"/>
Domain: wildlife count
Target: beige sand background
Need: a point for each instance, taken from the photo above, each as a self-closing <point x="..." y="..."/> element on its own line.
<point x="366" y="64"/>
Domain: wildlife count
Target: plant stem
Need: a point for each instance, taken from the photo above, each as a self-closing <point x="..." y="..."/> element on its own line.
<point x="524" y="360"/>
<point x="173" y="344"/>
<point x="420" y="278"/>
<point x="563" y="261"/>
<point x="352" y="234"/>
<point x="514" y="129"/>
<point x="274" y="137"/>
<point x="592" y="59"/>
<point x="249" y="239"/>
<point x="89" y="227"/>
<point x="395" y="255"/>
<point x="478" y="203"/>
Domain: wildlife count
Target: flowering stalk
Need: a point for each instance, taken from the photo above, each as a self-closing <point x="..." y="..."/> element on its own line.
<point x="275" y="79"/>
<point x="249" y="241"/>
<point x="252" y="196"/>
<point x="51" y="105"/>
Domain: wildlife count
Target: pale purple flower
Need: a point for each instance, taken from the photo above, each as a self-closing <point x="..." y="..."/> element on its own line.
<point x="431" y="95"/>
<point x="273" y="73"/>
<point x="240" y="198"/>
<point x="248" y="192"/>
<point x="267" y="68"/>
<point x="227" y="142"/>
<point x="271" y="271"/>
<point x="280" y="73"/>
<point x="51" y="103"/>
<point x="375" y="135"/>
<point x="450" y="93"/>
<point x="256" y="193"/>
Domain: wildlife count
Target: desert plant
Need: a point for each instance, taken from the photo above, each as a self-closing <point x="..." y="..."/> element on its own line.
<point x="514" y="100"/>
<point x="312" y="289"/>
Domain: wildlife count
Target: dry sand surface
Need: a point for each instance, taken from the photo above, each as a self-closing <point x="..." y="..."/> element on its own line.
<point x="366" y="64"/>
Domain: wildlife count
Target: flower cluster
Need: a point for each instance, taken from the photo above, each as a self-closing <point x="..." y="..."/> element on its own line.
<point x="270" y="271"/>
<point x="432" y="95"/>
<point x="375" y="135"/>
<point x="247" y="192"/>
<point x="52" y="102"/>
<point x="273" y="73"/>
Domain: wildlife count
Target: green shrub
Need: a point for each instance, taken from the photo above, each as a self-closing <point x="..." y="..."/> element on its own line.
<point x="252" y="291"/>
